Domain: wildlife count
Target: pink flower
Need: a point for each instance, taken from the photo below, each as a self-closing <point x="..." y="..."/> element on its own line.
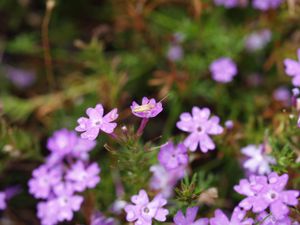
<point x="149" y="108"/>
<point x="292" y="68"/>
<point x="2" y="200"/>
<point x="223" y="70"/>
<point x="144" y="211"/>
<point x="237" y="218"/>
<point x="200" y="126"/>
<point x="95" y="122"/>
<point x="189" y="219"/>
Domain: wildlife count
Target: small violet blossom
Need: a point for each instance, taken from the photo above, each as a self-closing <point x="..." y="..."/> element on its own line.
<point x="292" y="68"/>
<point x="83" y="177"/>
<point x="189" y="219"/>
<point x="267" y="191"/>
<point x="259" y="161"/>
<point x="175" y="53"/>
<point x="172" y="157"/>
<point x="200" y="126"/>
<point x="96" y="121"/>
<point x="149" y="108"/>
<point x="19" y="77"/>
<point x="223" y="70"/>
<point x="2" y="200"/>
<point x="264" y="5"/>
<point x="143" y="211"/>
<point x="237" y="218"/>
<point x="258" y="40"/>
<point x="43" y="180"/>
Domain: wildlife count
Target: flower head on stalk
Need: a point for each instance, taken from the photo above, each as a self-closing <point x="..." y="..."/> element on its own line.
<point x="96" y="122"/>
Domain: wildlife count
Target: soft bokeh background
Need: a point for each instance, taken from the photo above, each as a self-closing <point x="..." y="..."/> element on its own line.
<point x="57" y="61"/>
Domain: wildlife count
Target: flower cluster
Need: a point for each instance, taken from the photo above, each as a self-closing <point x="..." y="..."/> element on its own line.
<point x="264" y="192"/>
<point x="173" y="163"/>
<point x="144" y="211"/>
<point x="66" y="172"/>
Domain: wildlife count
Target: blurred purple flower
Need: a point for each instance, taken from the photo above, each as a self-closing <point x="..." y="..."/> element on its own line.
<point x="200" y="126"/>
<point x="82" y="177"/>
<point x="266" y="4"/>
<point x="189" y="219"/>
<point x="2" y="201"/>
<point x="99" y="219"/>
<point x="43" y="180"/>
<point x="144" y="211"/>
<point x="47" y="212"/>
<point x="292" y="68"/>
<point x="164" y="180"/>
<point x="62" y="142"/>
<point x="258" y="162"/>
<point x="19" y="77"/>
<point x="172" y="157"/>
<point x="267" y="191"/>
<point x="282" y="94"/>
<point x="268" y="219"/>
<point x="258" y="40"/>
<point x="175" y="53"/>
<point x="95" y="122"/>
<point x="237" y="218"/>
<point x="223" y="70"/>
<point x="82" y="148"/>
<point x="149" y="108"/>
<point x="66" y="201"/>
<point x="229" y="124"/>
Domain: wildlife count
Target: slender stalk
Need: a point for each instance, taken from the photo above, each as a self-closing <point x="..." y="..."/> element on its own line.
<point x="45" y="42"/>
<point x="142" y="126"/>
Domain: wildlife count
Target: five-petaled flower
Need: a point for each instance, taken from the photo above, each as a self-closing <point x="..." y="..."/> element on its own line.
<point x="144" y="211"/>
<point x="267" y="191"/>
<point x="149" y="108"/>
<point x="96" y="121"/>
<point x="237" y="218"/>
<point x="200" y="126"/>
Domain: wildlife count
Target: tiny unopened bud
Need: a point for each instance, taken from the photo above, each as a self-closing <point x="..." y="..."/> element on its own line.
<point x="229" y="124"/>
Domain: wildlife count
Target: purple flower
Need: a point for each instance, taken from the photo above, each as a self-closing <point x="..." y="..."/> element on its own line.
<point x="82" y="177"/>
<point x="292" y="68"/>
<point x="172" y="157"/>
<point x="267" y="191"/>
<point x="144" y="211"/>
<point x="47" y="212"/>
<point x="229" y="124"/>
<point x="282" y="94"/>
<point x="19" y="77"/>
<point x="149" y="108"/>
<point x="237" y="218"/>
<point x="99" y="219"/>
<point x="82" y="148"/>
<point x="66" y="201"/>
<point x="200" y="126"/>
<point x="266" y="4"/>
<point x="189" y="219"/>
<point x="43" y="180"/>
<point x="258" y="40"/>
<point x="227" y="3"/>
<point x="259" y="161"/>
<point x="223" y="70"/>
<point x="175" y="53"/>
<point x="62" y="142"/>
<point x="268" y="219"/>
<point x="2" y="201"/>
<point x="95" y="122"/>
<point x="164" y="180"/>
